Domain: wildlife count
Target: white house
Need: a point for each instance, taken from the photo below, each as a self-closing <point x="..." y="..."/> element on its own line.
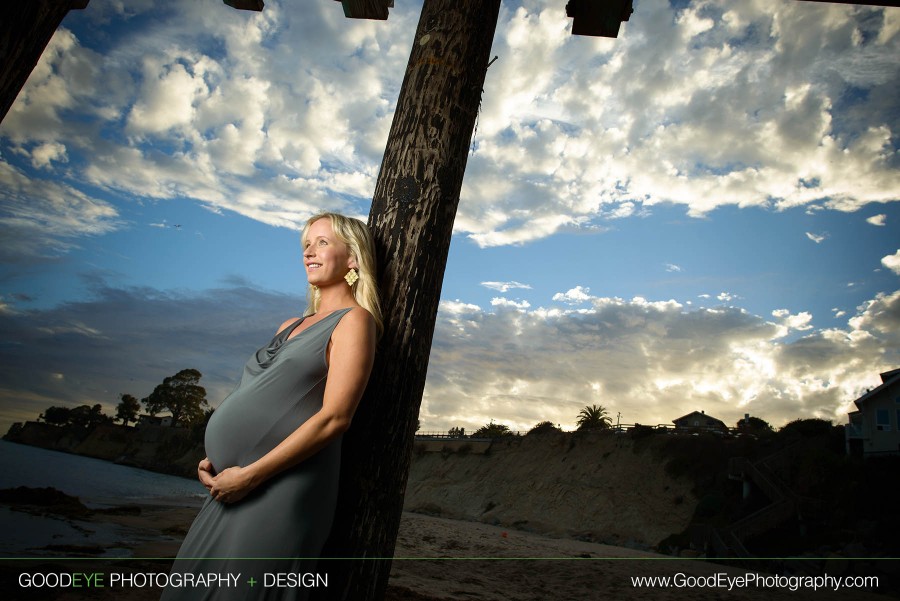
<point x="874" y="428"/>
<point x="153" y="420"/>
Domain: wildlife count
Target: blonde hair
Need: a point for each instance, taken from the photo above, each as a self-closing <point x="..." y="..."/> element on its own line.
<point x="355" y="234"/>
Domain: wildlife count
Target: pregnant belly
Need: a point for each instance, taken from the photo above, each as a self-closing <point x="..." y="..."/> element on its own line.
<point x="253" y="420"/>
<point x="235" y="429"/>
<point x="215" y="442"/>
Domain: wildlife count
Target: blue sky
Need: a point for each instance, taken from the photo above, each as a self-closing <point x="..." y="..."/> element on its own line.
<point x="699" y="215"/>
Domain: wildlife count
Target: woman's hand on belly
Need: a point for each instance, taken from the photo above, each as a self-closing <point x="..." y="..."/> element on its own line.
<point x="205" y="471"/>
<point x="232" y="484"/>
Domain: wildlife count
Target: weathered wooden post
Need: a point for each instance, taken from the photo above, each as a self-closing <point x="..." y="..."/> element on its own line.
<point x="412" y="216"/>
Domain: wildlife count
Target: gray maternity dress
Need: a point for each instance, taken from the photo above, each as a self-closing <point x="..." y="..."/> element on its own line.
<point x="281" y="526"/>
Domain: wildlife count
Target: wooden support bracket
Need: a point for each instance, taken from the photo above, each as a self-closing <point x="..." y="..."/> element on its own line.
<point x="366" y="9"/>
<point x="598" y="17"/>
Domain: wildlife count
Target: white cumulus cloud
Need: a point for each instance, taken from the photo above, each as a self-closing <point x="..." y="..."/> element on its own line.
<point x="574" y="296"/>
<point x="817" y="238"/>
<point x="284" y="113"/>
<point x="48" y="152"/>
<point x="505" y="286"/>
<point x="788" y="322"/>
<point x="511" y="304"/>
<point x="892" y="262"/>
<point x="653" y="361"/>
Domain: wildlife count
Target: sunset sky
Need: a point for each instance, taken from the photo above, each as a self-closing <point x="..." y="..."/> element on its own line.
<point x="703" y="214"/>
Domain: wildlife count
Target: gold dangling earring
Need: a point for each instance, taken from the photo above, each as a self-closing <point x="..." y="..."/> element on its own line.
<point x="351" y="277"/>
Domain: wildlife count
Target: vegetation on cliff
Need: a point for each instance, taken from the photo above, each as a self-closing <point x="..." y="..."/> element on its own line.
<point x="85" y="430"/>
<point x="841" y="504"/>
<point x="182" y="396"/>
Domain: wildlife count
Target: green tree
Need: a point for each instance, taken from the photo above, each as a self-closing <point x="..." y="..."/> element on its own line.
<point x="593" y="417"/>
<point x="457" y="432"/>
<point x="545" y="426"/>
<point x="492" y="430"/>
<point x="86" y="416"/>
<point x="181" y="395"/>
<point x="815" y="429"/>
<point x="806" y="428"/>
<point x="755" y="426"/>
<point x="198" y="429"/>
<point x="128" y="408"/>
<point x="58" y="416"/>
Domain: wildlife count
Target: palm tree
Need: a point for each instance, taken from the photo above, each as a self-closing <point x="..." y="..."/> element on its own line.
<point x="593" y="418"/>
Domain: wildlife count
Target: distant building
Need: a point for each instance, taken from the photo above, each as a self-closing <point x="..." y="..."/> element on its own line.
<point x="874" y="428"/>
<point x="153" y="420"/>
<point x="698" y="422"/>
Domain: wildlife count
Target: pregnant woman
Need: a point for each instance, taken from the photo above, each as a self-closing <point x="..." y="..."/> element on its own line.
<point x="274" y="444"/>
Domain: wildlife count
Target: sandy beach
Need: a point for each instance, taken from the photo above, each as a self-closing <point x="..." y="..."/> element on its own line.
<point x="555" y="568"/>
<point x="436" y="559"/>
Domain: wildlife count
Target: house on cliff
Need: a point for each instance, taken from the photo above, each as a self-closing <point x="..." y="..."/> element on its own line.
<point x="874" y="428"/>
<point x="698" y="422"/>
<point x="145" y="420"/>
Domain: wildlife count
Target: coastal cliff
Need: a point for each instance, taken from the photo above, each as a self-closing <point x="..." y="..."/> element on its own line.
<point x="594" y="486"/>
<point x="597" y="487"/>
<point x="162" y="449"/>
<point x="642" y="490"/>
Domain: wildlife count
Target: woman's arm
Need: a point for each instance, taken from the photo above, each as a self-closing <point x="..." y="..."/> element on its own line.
<point x="349" y="366"/>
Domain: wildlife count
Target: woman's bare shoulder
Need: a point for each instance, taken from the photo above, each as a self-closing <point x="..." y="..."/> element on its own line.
<point x="356" y="322"/>
<point x="359" y="316"/>
<point x="286" y="324"/>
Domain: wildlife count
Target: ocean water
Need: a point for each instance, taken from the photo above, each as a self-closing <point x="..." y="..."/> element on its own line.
<point x="94" y="481"/>
<point x="97" y="484"/>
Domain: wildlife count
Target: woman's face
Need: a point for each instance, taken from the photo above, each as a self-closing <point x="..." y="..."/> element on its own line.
<point x="326" y="258"/>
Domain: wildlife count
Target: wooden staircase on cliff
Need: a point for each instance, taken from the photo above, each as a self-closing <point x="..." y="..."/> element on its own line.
<point x="783" y="505"/>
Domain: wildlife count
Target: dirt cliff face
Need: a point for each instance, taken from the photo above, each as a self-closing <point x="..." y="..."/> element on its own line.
<point x="593" y="486"/>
